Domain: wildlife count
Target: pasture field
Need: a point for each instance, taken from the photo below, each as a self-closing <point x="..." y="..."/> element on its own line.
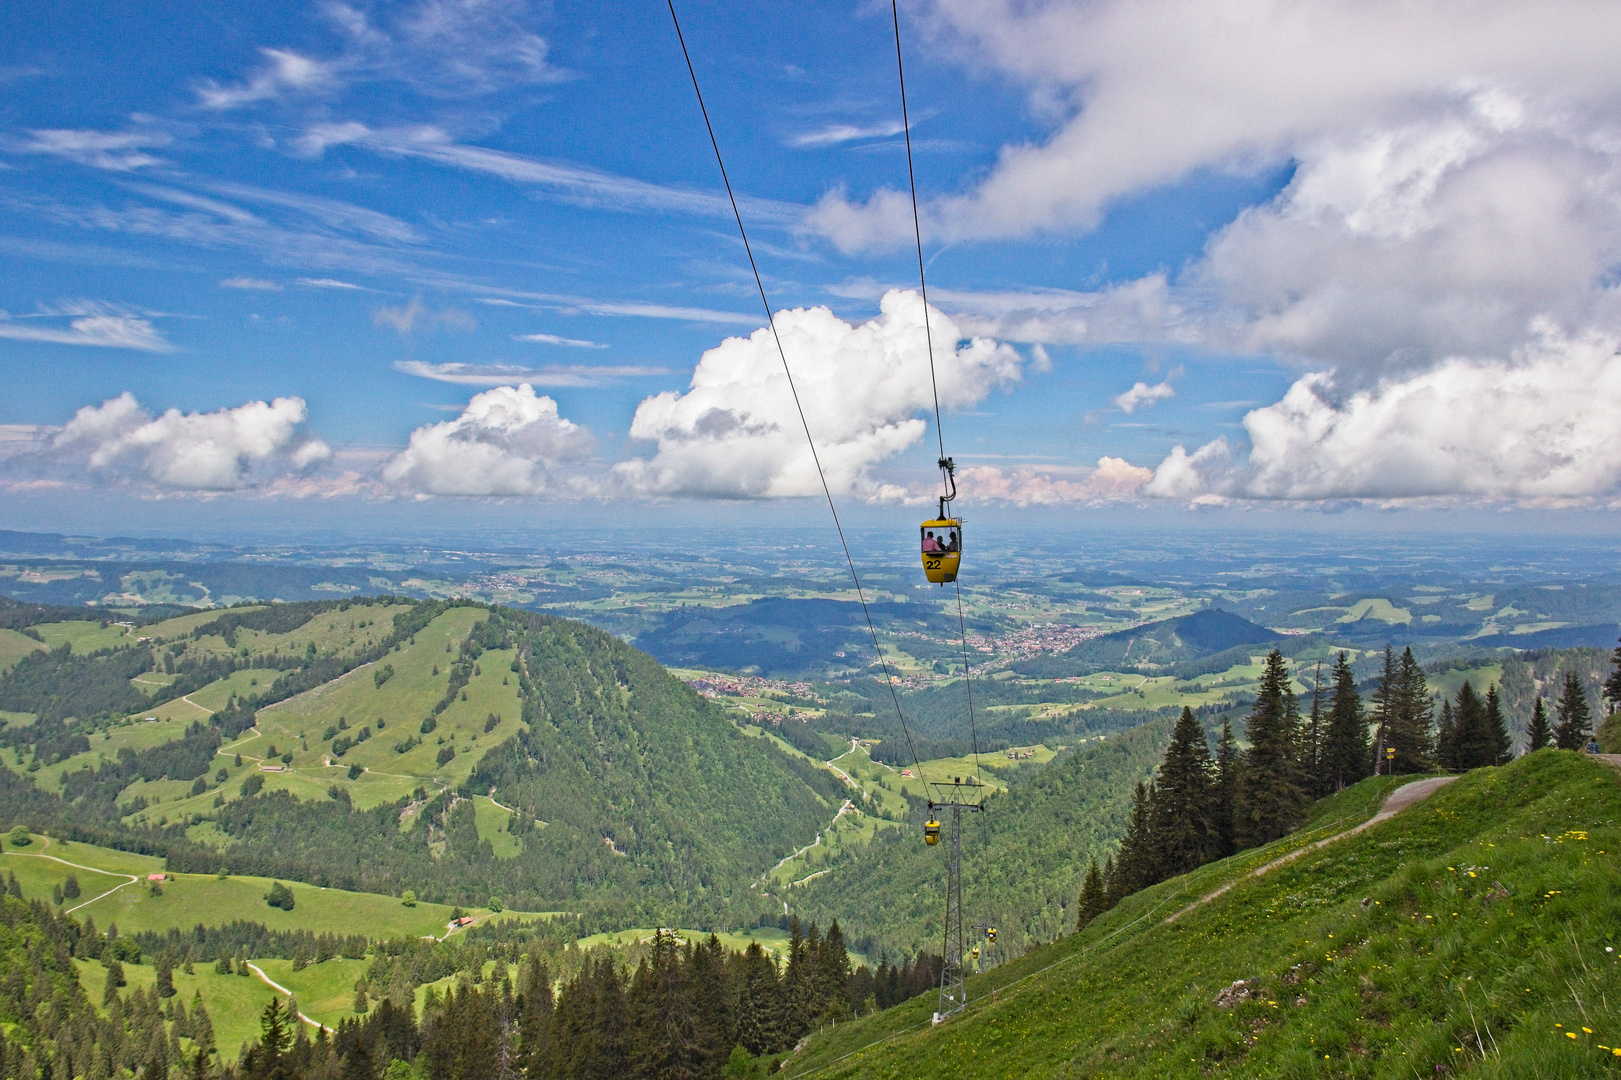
<point x="191" y="899"/>
<point x="332" y="632"/>
<point x="86" y="636"/>
<point x="15" y="646"/>
<point x="492" y="821"/>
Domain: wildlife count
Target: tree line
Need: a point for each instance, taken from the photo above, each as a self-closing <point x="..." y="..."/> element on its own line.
<point x="1202" y="806"/>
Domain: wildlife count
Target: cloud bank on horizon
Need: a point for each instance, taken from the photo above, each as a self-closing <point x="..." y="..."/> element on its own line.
<point x="1435" y="268"/>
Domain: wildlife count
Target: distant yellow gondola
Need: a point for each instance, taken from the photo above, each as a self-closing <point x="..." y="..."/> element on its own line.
<point x="931" y="832"/>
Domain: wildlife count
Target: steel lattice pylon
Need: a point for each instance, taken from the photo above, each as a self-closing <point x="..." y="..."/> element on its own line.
<point x="953" y="994"/>
<point x="952" y="991"/>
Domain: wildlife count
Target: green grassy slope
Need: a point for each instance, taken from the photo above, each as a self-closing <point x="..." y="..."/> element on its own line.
<point x="192" y="899"/>
<point x="1471" y="933"/>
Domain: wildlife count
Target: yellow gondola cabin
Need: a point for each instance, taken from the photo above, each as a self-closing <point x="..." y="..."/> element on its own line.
<point x="942" y="549"/>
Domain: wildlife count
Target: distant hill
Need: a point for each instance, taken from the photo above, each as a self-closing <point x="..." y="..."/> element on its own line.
<point x="357" y="744"/>
<point x="1393" y="952"/>
<point x="1157" y="646"/>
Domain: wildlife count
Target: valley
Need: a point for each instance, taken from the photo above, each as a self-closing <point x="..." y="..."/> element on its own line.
<point x="392" y="798"/>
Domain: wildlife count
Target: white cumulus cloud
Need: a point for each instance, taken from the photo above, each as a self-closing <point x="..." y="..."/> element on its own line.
<point x="1144" y="92"/>
<point x="864" y="389"/>
<point x="1540" y="426"/>
<point x="119" y="441"/>
<point x="1142" y="394"/>
<point x="1113" y="479"/>
<point x="508" y="441"/>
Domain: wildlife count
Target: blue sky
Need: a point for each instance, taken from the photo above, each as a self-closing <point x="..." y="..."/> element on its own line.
<point x="302" y="238"/>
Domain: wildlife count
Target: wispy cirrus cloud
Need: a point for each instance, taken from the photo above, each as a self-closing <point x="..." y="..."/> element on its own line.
<point x="90" y="323"/>
<point x="328" y="283"/>
<point x="834" y="134"/>
<point x="569" y="181"/>
<point x="251" y="284"/>
<point x="115" y="151"/>
<point x="553" y="339"/>
<point x="284" y="72"/>
<point x="566" y="375"/>
<point x="584" y="305"/>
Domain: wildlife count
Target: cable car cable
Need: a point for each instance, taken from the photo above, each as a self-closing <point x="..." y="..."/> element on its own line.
<point x="917" y="231"/>
<point x="772" y="323"/>
<point x="928" y="337"/>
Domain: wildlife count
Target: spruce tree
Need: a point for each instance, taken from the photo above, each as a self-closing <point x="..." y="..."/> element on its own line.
<point x="1472" y="744"/>
<point x="1135" y="864"/>
<point x="1311" y="745"/>
<point x="1224" y="794"/>
<point x="1411" y="715"/>
<point x="165" y="976"/>
<point x="1094" y="899"/>
<point x="1612" y="685"/>
<point x="1180" y="828"/>
<point x="1538" y="734"/>
<point x="1344" y="757"/>
<point x="1271" y="796"/>
<point x="1574" y="723"/>
<point x="1446" y="738"/>
<point x="668" y="1042"/>
<point x="1497" y="727"/>
<point x="537" y="1040"/>
<point x="1385" y="698"/>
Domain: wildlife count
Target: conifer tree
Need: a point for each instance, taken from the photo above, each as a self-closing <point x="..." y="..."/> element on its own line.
<point x="1094" y="899"/>
<point x="537" y="1044"/>
<point x="668" y="1041"/>
<point x="1224" y="794"/>
<point x="1311" y="745"/>
<point x="1472" y="745"/>
<point x="1344" y="757"/>
<point x="1612" y="685"/>
<point x="1497" y="727"/>
<point x="1538" y="734"/>
<point x="610" y="1040"/>
<point x="1385" y="697"/>
<point x="165" y="976"/>
<point x="1180" y="828"/>
<point x="1271" y="796"/>
<point x="1411" y="718"/>
<point x="1446" y="738"/>
<point x="1574" y="722"/>
<point x="1134" y="865"/>
<point x="834" y="974"/>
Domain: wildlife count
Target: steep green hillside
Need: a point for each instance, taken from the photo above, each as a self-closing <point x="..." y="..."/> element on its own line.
<point x="631" y="797"/>
<point x="344" y="744"/>
<point x="1024" y="855"/>
<point x="1474" y="933"/>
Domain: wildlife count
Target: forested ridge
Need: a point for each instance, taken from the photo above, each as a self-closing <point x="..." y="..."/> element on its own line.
<point x="634" y="798"/>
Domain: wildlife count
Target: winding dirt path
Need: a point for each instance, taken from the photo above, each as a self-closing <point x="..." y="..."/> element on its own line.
<point x="274" y="985"/>
<point x="1395" y="803"/>
<point x="79" y="866"/>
